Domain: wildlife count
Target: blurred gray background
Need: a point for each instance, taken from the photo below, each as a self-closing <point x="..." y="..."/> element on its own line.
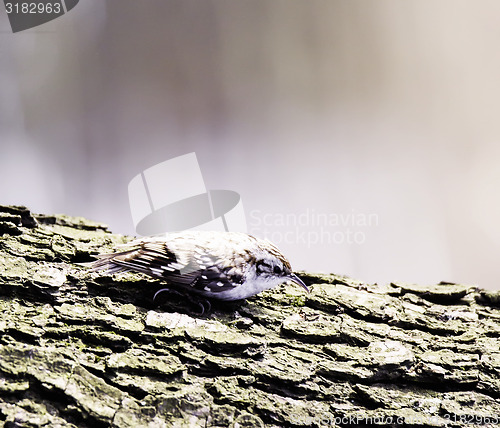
<point x="386" y="109"/>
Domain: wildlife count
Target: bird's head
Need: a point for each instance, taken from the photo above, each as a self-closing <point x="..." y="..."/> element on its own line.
<point x="274" y="268"/>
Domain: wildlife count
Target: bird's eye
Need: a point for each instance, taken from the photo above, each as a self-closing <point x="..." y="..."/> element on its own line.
<point x="277" y="270"/>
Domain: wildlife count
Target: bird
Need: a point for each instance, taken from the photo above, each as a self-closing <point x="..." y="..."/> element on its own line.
<point x="215" y="265"/>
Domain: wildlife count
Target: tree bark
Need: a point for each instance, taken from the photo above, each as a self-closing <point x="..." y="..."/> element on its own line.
<point x="91" y="350"/>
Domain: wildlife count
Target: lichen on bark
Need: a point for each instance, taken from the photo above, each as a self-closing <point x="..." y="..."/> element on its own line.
<point x="84" y="349"/>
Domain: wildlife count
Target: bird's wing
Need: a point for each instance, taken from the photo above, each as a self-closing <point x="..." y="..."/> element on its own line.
<point x="195" y="270"/>
<point x="152" y="258"/>
<point x="215" y="273"/>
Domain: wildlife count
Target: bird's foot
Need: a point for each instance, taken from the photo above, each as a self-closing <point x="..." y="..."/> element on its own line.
<point x="203" y="304"/>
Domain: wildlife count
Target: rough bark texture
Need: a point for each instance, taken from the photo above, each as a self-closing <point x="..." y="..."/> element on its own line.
<point x="82" y="349"/>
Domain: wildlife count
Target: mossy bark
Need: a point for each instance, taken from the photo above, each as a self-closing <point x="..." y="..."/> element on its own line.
<point x="84" y="349"/>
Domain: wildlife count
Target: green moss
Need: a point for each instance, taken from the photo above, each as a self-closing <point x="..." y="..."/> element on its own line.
<point x="283" y="358"/>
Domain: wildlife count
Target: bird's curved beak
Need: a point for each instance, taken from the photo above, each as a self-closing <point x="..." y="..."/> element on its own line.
<point x="294" y="278"/>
